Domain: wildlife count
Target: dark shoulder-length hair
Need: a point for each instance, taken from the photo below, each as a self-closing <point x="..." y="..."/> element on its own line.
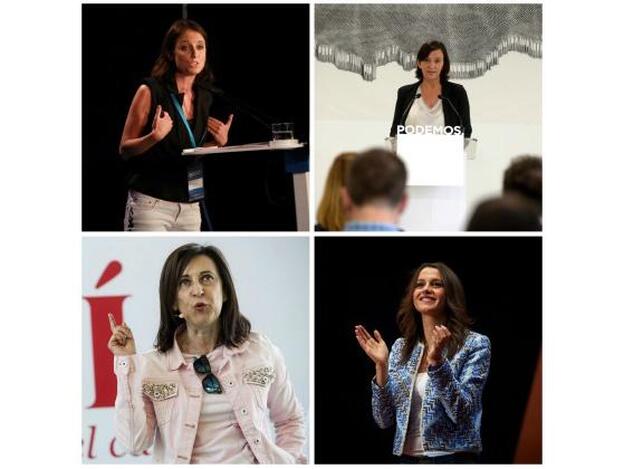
<point x="426" y="49"/>
<point x="165" y="66"/>
<point x="456" y="317"/>
<point x="234" y="328"/>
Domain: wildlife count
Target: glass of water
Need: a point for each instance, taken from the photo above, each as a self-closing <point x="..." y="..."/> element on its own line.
<point x="283" y="131"/>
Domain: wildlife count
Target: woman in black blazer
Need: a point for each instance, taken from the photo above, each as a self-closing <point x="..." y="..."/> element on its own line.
<point x="417" y="103"/>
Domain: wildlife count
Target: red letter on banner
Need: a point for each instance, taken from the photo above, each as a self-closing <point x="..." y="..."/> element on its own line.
<point x="105" y="381"/>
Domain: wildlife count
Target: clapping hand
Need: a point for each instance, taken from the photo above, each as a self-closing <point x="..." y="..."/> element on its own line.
<point x="374" y="347"/>
<point x="441" y="337"/>
<point x="121" y="341"/>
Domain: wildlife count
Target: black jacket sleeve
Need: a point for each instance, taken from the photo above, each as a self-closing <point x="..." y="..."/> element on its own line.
<point x="463" y="108"/>
<point x="398" y="110"/>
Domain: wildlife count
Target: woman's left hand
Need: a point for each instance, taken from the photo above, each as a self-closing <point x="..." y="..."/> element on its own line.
<point x="441" y="337"/>
<point x="219" y="130"/>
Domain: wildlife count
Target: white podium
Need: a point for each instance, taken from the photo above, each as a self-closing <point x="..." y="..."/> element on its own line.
<point x="436" y="166"/>
<point x="262" y="146"/>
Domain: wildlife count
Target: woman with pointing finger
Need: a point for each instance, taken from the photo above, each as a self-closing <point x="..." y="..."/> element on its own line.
<point x="430" y="384"/>
<point x="170" y="112"/>
<point x="212" y="391"/>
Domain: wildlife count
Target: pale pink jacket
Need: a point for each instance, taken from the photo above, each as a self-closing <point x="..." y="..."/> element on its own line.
<point x="159" y="401"/>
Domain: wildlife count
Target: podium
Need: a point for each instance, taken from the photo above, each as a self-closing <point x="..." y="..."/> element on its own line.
<point x="257" y="186"/>
<point x="436" y="166"/>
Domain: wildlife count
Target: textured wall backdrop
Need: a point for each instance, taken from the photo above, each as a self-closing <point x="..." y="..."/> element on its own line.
<point x="358" y="38"/>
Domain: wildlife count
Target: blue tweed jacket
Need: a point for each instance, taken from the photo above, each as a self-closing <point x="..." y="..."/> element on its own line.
<point x="451" y="411"/>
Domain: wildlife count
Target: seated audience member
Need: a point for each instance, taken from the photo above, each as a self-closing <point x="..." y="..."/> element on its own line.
<point x="330" y="215"/>
<point x="524" y="177"/>
<point x="375" y="196"/>
<point x="507" y="213"/>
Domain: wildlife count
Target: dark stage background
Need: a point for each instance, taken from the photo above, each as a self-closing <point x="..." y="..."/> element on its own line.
<point x="260" y="56"/>
<point x="361" y="280"/>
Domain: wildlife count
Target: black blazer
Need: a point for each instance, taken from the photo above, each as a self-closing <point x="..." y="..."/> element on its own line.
<point x="454" y="92"/>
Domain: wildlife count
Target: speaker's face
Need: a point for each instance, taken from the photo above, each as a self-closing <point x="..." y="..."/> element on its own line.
<point x="429" y="295"/>
<point x="190" y="53"/>
<point x="431" y="67"/>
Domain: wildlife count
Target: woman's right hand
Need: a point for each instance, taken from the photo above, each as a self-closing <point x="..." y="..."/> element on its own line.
<point x="375" y="347"/>
<point x="162" y="124"/>
<point x="121" y="341"/>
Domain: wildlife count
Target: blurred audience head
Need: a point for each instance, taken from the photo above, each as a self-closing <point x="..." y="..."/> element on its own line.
<point x="330" y="215"/>
<point x="511" y="212"/>
<point x="376" y="187"/>
<point x="524" y="177"/>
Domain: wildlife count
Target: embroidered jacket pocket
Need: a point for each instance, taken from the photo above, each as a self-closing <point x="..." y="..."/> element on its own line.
<point x="163" y="396"/>
<point x="259" y="381"/>
<point x="259" y="376"/>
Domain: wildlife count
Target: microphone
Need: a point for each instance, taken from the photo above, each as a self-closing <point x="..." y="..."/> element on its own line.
<point x="258" y="116"/>
<point x="239" y="106"/>
<point x="461" y="122"/>
<point x="408" y="107"/>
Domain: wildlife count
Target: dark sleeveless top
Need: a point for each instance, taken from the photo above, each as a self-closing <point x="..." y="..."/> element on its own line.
<point x="161" y="171"/>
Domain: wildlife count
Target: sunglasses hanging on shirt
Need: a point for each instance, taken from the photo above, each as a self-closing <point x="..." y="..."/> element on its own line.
<point x="210" y="383"/>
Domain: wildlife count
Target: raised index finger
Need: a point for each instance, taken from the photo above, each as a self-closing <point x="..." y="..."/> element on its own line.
<point x="111" y="321"/>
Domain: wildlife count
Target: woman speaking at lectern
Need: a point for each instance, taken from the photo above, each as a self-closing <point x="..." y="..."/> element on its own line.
<point x="170" y="112"/>
<point x="432" y="100"/>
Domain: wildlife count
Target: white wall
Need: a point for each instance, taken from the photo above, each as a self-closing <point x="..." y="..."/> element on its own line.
<point x="271" y="276"/>
<point x="505" y="107"/>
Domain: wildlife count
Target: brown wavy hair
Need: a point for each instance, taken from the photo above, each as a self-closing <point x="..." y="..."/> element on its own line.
<point x="456" y="317"/>
<point x="165" y="66"/>
<point x="330" y="214"/>
<point x="235" y="327"/>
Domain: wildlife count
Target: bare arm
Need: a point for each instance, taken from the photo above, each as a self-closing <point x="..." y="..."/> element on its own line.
<point x="132" y="142"/>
